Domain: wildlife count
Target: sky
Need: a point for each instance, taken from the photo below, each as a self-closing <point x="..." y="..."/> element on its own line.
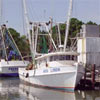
<point x="42" y="10"/>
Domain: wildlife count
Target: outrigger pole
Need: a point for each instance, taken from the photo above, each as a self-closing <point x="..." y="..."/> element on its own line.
<point x="68" y="24"/>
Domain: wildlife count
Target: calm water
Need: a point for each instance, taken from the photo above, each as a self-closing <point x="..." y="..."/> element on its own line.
<point x="13" y="89"/>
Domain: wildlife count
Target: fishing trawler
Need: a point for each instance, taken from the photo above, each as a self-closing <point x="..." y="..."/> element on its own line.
<point x="10" y="56"/>
<point x="55" y="69"/>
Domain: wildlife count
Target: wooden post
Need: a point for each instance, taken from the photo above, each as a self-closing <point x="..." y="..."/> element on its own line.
<point x="93" y="75"/>
<point x="85" y="77"/>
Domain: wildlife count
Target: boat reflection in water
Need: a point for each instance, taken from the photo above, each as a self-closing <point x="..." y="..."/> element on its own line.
<point x="35" y="93"/>
<point x="9" y="88"/>
<point x="13" y="89"/>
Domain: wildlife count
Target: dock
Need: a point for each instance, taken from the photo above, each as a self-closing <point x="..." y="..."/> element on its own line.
<point x="88" y="46"/>
<point x="91" y="79"/>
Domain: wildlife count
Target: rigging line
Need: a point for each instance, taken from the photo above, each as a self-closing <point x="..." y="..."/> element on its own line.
<point x="3" y="11"/>
<point x="19" y="7"/>
<point x="23" y="23"/>
<point x="33" y="10"/>
<point x="75" y="10"/>
<point x="99" y="12"/>
<point x="0" y="12"/>
<point x="53" y="2"/>
<point x="15" y="44"/>
<point x="4" y="45"/>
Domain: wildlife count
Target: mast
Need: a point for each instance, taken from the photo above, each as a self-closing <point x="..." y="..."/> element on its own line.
<point x="59" y="34"/>
<point x="27" y="21"/>
<point x="0" y="12"/>
<point x="68" y="24"/>
<point x="51" y="37"/>
<point x="36" y="37"/>
<point x="28" y="27"/>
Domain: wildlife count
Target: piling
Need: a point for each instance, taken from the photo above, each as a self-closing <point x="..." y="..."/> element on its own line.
<point x="91" y="79"/>
<point x="93" y="76"/>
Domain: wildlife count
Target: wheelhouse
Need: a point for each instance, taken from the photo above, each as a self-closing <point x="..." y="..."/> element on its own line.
<point x="60" y="56"/>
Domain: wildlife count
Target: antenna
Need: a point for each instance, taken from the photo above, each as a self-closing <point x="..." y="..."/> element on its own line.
<point x="68" y="24"/>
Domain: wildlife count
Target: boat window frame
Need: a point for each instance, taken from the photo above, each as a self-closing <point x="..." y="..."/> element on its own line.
<point x="62" y="57"/>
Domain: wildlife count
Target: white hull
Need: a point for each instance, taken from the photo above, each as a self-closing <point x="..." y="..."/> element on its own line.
<point x="10" y="68"/>
<point x="61" y="78"/>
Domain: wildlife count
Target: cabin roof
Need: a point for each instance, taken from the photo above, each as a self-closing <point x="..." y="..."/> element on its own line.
<point x="56" y="53"/>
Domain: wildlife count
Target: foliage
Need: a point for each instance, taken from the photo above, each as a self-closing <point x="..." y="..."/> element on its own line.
<point x="75" y="26"/>
<point x="91" y="23"/>
<point x="21" y="41"/>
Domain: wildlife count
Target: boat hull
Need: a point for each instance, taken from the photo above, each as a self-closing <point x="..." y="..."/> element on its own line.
<point x="10" y="68"/>
<point x="9" y="74"/>
<point x="63" y="79"/>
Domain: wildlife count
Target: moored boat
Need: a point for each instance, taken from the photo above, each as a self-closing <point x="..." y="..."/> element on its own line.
<point x="10" y="56"/>
<point x="57" y="68"/>
<point x="10" y="68"/>
<point x="54" y="70"/>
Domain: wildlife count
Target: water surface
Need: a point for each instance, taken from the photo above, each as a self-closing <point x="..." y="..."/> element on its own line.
<point x="14" y="89"/>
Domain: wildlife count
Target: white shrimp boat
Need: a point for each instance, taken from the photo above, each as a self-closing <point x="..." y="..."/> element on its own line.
<point x="57" y="69"/>
<point x="54" y="71"/>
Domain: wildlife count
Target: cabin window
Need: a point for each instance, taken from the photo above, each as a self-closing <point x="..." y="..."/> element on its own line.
<point x="62" y="57"/>
<point x="45" y="60"/>
<point x="40" y="61"/>
<point x="55" y="58"/>
<point x="51" y="58"/>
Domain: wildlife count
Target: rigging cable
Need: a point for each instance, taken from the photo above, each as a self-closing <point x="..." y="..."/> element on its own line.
<point x="31" y="10"/>
<point x="23" y="23"/>
<point x="0" y="12"/>
<point x="31" y="7"/>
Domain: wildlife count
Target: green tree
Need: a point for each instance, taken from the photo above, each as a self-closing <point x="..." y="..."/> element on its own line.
<point x="21" y="41"/>
<point x="75" y="26"/>
<point x="91" y="23"/>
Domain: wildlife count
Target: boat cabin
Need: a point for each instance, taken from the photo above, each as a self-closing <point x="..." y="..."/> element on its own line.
<point x="57" y="56"/>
